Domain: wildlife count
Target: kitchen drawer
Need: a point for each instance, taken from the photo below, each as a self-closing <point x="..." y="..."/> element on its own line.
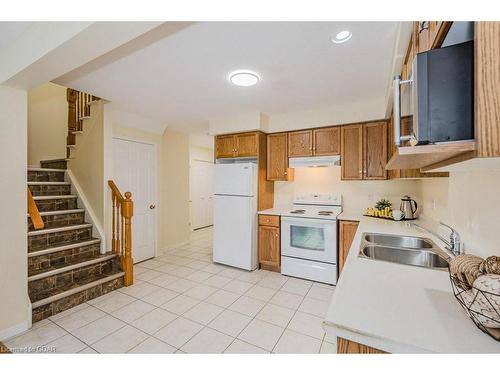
<point x="270" y="220"/>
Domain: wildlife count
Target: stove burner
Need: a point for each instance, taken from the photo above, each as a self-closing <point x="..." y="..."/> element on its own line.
<point x="298" y="212"/>
<point x="325" y="213"/>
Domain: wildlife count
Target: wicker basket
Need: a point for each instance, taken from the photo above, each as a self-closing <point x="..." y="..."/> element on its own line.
<point x="473" y="306"/>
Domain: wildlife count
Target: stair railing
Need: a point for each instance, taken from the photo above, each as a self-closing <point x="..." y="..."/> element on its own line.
<point x="121" y="243"/>
<point x="78" y="108"/>
<point x="35" y="216"/>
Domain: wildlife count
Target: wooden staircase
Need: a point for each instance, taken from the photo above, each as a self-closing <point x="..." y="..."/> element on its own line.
<point x="65" y="265"/>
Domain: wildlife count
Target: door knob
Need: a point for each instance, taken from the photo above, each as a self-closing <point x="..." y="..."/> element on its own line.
<point x="152" y="207"/>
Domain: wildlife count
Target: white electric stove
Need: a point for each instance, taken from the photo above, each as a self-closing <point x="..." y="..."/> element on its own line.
<point x="309" y="237"/>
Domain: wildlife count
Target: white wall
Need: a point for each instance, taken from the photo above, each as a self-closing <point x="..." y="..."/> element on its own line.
<point x="470" y="202"/>
<point x="47" y="123"/>
<point x="356" y="195"/>
<point x="15" y="308"/>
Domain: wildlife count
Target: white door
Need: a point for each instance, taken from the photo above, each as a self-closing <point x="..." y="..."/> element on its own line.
<point x="201" y="184"/>
<point x="134" y="170"/>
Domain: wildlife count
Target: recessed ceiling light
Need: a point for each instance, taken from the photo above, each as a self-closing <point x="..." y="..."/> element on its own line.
<point x="244" y="78"/>
<point x="342" y="37"/>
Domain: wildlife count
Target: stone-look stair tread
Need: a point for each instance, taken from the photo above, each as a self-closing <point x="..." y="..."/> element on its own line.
<point x="64" y="246"/>
<point x="61" y="212"/>
<point x="60" y="268"/>
<point x="36" y="232"/>
<point x="48" y="183"/>
<point x="49" y="197"/>
<point x="73" y="287"/>
<point x="40" y="169"/>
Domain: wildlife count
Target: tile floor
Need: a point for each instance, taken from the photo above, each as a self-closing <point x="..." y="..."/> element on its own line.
<point x="181" y="302"/>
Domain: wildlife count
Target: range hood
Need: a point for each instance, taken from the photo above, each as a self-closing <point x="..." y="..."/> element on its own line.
<point x="316" y="161"/>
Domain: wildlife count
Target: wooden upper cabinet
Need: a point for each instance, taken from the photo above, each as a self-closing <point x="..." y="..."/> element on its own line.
<point x="237" y="145"/>
<point x="300" y="143"/>
<point x="375" y="150"/>
<point x="326" y="141"/>
<point x="277" y="157"/>
<point x="247" y="144"/>
<point x="225" y="146"/>
<point x="352" y="152"/>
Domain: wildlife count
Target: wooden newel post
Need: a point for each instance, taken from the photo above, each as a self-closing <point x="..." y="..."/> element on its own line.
<point x="127" y="261"/>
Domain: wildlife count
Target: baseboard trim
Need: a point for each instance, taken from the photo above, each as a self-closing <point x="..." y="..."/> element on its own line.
<point x="15" y="330"/>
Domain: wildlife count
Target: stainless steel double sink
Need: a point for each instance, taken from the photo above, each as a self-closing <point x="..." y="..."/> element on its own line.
<point x="407" y="250"/>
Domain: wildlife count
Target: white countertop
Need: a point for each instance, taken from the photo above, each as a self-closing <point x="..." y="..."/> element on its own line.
<point x="398" y="308"/>
<point x="274" y="211"/>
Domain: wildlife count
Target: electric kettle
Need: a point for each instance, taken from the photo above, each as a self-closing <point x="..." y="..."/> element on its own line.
<point x="409" y="213"/>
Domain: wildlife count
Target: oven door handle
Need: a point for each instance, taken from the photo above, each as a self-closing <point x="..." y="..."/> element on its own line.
<point x="307" y="220"/>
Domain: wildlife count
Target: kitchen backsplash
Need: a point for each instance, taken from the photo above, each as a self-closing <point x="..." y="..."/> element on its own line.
<point x="470" y="202"/>
<point x="356" y="195"/>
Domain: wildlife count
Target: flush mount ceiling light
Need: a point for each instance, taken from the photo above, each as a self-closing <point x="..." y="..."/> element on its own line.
<point x="342" y="37"/>
<point x="244" y="78"/>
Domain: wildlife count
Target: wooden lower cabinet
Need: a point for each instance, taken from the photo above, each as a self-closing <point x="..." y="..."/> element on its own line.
<point x="345" y="346"/>
<point x="347" y="231"/>
<point x="269" y="243"/>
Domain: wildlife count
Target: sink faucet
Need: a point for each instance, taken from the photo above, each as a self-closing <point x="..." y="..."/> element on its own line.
<point x="453" y="245"/>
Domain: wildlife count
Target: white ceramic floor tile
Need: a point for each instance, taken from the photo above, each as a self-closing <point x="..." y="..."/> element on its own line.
<point x="214" y="268"/>
<point x="120" y="341"/>
<point x="328" y="348"/>
<point x="166" y="268"/>
<point x="87" y="350"/>
<point x="153" y="346"/>
<point x="201" y="291"/>
<point x="217" y="281"/>
<point x="111" y="302"/>
<point x="262" y="293"/>
<point x="262" y="334"/>
<point x="247" y="306"/>
<point x="207" y="341"/>
<point x="275" y="314"/>
<point x="164" y="280"/>
<point x="182" y="271"/>
<point x="285" y="299"/>
<point x="133" y="311"/>
<point x="148" y="275"/>
<point x="79" y="318"/>
<point x="178" y="332"/>
<point x="67" y="344"/>
<point x="160" y="297"/>
<point x="273" y="282"/>
<point x="154" y="320"/>
<point x="98" y="329"/>
<point x="199" y="276"/>
<point x="180" y="304"/>
<point x="307" y="324"/>
<point x="251" y="277"/>
<point x="237" y="286"/>
<point x="314" y="306"/>
<point x="35" y="337"/>
<point x="197" y="264"/>
<point x="232" y="273"/>
<point x="230" y="322"/>
<point x="293" y="342"/>
<point x="203" y="313"/>
<point x="297" y="286"/>
<point x="223" y="298"/>
<point x="181" y="285"/>
<point x="61" y="314"/>
<point x="241" y="347"/>
<point x="140" y="290"/>
<point x="321" y="293"/>
<point x="151" y="264"/>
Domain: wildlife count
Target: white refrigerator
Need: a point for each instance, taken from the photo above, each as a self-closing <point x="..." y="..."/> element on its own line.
<point x="235" y="215"/>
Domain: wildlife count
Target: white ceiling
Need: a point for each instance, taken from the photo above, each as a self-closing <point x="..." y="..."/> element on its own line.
<point x="181" y="80"/>
<point x="10" y="31"/>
